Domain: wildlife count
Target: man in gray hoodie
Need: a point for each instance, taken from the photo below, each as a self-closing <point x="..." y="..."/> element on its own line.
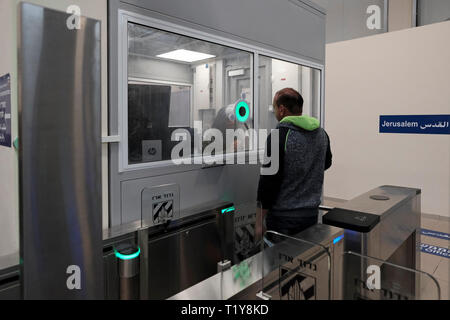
<point x="290" y="199"/>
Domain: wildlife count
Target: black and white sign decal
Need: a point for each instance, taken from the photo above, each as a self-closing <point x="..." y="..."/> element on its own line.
<point x="162" y="212"/>
<point x="160" y="204"/>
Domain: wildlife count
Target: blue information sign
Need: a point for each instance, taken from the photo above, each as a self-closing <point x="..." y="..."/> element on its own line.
<point x="437" y="251"/>
<point x="5" y="111"/>
<point x="435" y="234"/>
<point x="421" y="124"/>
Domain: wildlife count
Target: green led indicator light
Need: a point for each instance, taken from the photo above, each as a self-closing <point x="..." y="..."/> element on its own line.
<point x="127" y="256"/>
<point x="242" y="106"/>
<point x="230" y="209"/>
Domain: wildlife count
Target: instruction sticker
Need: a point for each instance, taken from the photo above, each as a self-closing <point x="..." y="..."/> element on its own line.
<point x="160" y="204"/>
<point x="5" y="111"/>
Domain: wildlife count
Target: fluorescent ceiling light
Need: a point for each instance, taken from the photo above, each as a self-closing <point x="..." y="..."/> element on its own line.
<point x="185" y="55"/>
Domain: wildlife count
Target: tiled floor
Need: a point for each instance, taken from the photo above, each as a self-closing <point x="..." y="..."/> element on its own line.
<point x="438" y="267"/>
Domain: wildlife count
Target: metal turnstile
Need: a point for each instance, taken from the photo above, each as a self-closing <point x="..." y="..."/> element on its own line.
<point x="302" y="267"/>
<point x="382" y="244"/>
<point x="159" y="261"/>
<point x="187" y="258"/>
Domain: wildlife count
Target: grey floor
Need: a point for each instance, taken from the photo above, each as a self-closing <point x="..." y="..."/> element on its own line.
<point x="436" y="266"/>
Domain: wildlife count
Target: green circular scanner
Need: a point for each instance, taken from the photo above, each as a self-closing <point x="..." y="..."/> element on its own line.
<point x="127" y="255"/>
<point x="242" y="111"/>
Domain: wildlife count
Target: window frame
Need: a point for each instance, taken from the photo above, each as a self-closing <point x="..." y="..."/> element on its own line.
<point x="320" y="97"/>
<point x="126" y="17"/>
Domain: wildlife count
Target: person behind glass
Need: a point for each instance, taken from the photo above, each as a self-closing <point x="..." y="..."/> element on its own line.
<point x="290" y="198"/>
<point x="226" y="120"/>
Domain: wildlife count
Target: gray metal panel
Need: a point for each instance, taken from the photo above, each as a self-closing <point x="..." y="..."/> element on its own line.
<point x="9" y="261"/>
<point x="294" y="26"/>
<point x="111" y="275"/>
<point x="10" y="284"/>
<point x="113" y="116"/>
<point x="10" y="293"/>
<point x="346" y="19"/>
<point x="311" y="5"/>
<point x="432" y="11"/>
<point x="398" y="196"/>
<point x="196" y="188"/>
<point x="180" y="259"/>
<point x="60" y="154"/>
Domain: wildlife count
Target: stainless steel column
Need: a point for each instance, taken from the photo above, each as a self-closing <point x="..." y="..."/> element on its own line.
<point x="129" y="266"/>
<point x="60" y="155"/>
<point x="382" y="226"/>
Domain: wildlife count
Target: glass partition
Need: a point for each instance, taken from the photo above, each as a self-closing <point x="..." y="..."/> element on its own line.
<point x="178" y="88"/>
<point x="275" y="75"/>
<point x="368" y="278"/>
<point x="294" y="269"/>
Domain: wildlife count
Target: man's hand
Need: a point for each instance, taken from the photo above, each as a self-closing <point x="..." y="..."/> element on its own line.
<point x="259" y="226"/>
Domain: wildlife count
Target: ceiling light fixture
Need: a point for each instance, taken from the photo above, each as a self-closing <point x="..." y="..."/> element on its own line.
<point x="185" y="55"/>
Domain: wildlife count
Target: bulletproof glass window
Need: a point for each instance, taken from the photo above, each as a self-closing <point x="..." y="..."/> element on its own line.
<point x="275" y="75"/>
<point x="178" y="84"/>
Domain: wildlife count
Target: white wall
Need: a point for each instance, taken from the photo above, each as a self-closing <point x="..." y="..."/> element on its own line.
<point x="9" y="189"/>
<point x="291" y="75"/>
<point x="400" y="14"/>
<point x="284" y="75"/>
<point x="306" y="89"/>
<point x="403" y="72"/>
<point x="201" y="90"/>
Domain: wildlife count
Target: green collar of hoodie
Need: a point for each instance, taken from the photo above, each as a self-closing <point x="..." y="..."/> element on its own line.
<point x="304" y="122"/>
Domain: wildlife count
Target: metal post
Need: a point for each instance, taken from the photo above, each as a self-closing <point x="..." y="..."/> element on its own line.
<point x="143" y="261"/>
<point x="129" y="257"/>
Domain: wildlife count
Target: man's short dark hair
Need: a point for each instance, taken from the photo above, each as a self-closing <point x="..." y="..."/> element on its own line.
<point x="291" y="99"/>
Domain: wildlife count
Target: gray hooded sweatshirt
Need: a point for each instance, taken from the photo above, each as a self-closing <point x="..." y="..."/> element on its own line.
<point x="305" y="154"/>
